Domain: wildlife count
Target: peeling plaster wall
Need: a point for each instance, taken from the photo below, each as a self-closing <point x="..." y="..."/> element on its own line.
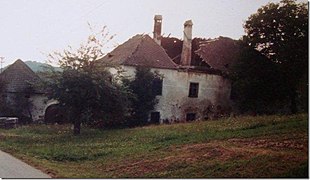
<point x="39" y="103"/>
<point x="174" y="102"/>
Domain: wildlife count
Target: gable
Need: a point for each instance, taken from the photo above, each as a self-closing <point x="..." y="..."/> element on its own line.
<point x="18" y="76"/>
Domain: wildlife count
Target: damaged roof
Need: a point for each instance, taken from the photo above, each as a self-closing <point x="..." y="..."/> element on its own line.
<point x="220" y="53"/>
<point x="140" y="50"/>
<point x="173" y="47"/>
<point x="18" y="76"/>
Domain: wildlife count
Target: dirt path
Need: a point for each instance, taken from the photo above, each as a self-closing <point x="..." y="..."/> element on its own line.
<point x="284" y="151"/>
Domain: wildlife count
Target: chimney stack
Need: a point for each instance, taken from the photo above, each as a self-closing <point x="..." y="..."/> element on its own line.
<point x="186" y="55"/>
<point x="157" y="29"/>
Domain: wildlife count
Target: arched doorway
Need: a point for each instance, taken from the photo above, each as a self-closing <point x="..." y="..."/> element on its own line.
<point x="55" y="114"/>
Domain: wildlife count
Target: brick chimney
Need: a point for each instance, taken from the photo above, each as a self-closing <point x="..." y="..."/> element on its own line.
<point x="186" y="55"/>
<point x="157" y="29"/>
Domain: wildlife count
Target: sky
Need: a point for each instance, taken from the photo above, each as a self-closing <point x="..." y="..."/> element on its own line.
<point x="30" y="29"/>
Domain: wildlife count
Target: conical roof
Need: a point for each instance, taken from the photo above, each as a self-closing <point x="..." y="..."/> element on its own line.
<point x="18" y="76"/>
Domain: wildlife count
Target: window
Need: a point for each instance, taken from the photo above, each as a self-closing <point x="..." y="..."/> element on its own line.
<point x="190" y="116"/>
<point x="157" y="86"/>
<point x="193" y="90"/>
<point x="155" y="117"/>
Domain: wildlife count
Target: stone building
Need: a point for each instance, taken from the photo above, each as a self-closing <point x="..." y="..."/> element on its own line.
<point x="20" y="91"/>
<point x="193" y="84"/>
<point x="187" y="92"/>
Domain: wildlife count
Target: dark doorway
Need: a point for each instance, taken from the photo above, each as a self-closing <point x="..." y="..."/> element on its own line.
<point x="155" y="117"/>
<point x="54" y="114"/>
<point x="190" y="116"/>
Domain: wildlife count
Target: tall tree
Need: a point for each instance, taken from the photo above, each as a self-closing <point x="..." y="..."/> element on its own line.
<point x="145" y="86"/>
<point x="280" y="31"/>
<point x="257" y="84"/>
<point x="84" y="88"/>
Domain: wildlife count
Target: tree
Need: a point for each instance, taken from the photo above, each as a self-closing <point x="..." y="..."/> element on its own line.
<point x="86" y="88"/>
<point x="280" y="31"/>
<point x="144" y="89"/>
<point x="257" y="83"/>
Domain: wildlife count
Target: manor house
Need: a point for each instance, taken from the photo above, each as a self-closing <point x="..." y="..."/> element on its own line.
<point x="186" y="92"/>
<point x="193" y="84"/>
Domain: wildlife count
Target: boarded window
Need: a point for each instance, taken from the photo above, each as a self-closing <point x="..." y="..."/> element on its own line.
<point x="155" y="117"/>
<point x="193" y="90"/>
<point x="190" y="116"/>
<point x="157" y="86"/>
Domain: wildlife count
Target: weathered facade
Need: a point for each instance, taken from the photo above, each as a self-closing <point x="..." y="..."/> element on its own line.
<point x="188" y="92"/>
<point x="19" y="90"/>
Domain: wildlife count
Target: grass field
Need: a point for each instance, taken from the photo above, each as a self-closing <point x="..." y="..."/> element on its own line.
<point x="254" y="147"/>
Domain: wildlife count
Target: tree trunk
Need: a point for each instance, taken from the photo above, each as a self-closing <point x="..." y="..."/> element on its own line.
<point x="77" y="127"/>
<point x="293" y="96"/>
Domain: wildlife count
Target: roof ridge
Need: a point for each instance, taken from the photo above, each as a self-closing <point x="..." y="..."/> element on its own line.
<point x="163" y="50"/>
<point x="19" y="61"/>
<point x="136" y="48"/>
<point x="141" y="50"/>
<point x="166" y="53"/>
<point x="139" y="44"/>
<point x="19" y="75"/>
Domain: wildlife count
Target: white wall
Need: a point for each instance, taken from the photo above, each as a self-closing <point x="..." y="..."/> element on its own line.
<point x="38" y="106"/>
<point x="174" y="102"/>
<point x="38" y="103"/>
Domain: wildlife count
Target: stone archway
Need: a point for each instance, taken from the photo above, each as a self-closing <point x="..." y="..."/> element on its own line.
<point x="49" y="103"/>
<point x="53" y="113"/>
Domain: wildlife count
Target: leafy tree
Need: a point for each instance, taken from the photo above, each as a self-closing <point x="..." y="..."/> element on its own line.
<point x="86" y="89"/>
<point x="280" y="31"/>
<point x="257" y="83"/>
<point x="144" y="91"/>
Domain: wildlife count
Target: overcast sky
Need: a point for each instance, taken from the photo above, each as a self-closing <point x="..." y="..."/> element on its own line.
<point x="32" y="28"/>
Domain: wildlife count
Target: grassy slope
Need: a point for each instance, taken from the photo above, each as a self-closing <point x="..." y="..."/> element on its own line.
<point x="266" y="146"/>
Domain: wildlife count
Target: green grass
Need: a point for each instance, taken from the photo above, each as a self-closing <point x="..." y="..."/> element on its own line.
<point x="264" y="146"/>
